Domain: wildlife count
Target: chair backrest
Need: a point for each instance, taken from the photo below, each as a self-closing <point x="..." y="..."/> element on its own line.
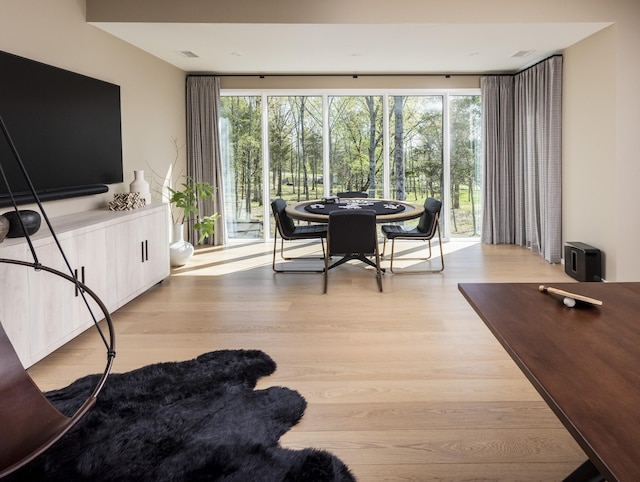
<point x="429" y="219"/>
<point x="352" y="231"/>
<point x="283" y="222"/>
<point x="30" y="424"/>
<point x="352" y="194"/>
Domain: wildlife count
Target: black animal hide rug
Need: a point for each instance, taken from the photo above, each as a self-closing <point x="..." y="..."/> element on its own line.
<point x="198" y="420"/>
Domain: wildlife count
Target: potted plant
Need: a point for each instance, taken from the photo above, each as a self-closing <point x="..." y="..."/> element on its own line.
<point x="184" y="202"/>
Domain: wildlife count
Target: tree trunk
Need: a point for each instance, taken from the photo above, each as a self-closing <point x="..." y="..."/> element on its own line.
<point x="398" y="153"/>
<point x="372" y="146"/>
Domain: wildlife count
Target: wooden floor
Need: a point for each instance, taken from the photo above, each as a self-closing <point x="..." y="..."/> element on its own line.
<point x="403" y="385"/>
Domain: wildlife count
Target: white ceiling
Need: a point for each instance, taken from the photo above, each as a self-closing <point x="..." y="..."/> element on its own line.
<point x="351" y="49"/>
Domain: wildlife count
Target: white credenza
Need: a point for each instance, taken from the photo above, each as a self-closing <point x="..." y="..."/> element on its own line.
<point x="118" y="255"/>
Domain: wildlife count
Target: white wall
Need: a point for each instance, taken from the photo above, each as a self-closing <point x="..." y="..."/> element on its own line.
<point x="601" y="158"/>
<point x="152" y="92"/>
<point x="589" y="145"/>
<point x="627" y="147"/>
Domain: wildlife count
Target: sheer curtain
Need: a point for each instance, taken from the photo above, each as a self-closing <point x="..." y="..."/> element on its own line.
<point x="203" y="147"/>
<point x="523" y="161"/>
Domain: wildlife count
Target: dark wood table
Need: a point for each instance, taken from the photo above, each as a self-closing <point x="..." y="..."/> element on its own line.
<point x="584" y="361"/>
<point x="410" y="211"/>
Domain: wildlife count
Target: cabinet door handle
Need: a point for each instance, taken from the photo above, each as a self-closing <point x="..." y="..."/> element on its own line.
<point x="146" y="250"/>
<point x="81" y="279"/>
<point x="142" y="251"/>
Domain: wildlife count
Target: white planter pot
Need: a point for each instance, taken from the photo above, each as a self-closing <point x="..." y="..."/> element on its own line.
<point x="180" y="251"/>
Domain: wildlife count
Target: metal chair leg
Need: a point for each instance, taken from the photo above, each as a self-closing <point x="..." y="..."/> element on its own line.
<point x="275" y="249"/>
<point x="393" y="240"/>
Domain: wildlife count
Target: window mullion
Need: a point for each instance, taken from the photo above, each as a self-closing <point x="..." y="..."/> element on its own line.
<point x="266" y="181"/>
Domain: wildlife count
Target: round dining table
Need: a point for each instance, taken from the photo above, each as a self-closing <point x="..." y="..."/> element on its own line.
<point x="387" y="211"/>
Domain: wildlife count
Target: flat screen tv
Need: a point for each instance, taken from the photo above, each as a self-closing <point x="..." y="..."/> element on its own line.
<point x="65" y="126"/>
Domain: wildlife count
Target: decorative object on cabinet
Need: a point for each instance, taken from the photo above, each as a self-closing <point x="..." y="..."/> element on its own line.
<point x="126" y="202"/>
<point x="4" y="227"/>
<point x="22" y="221"/>
<point x="139" y="185"/>
<point x="32" y="422"/>
<point x="180" y="251"/>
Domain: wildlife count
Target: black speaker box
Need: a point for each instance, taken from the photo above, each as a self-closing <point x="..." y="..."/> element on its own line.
<point x="582" y="262"/>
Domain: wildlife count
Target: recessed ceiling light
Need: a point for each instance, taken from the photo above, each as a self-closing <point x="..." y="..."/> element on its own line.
<point x="471" y="54"/>
<point x="523" y="53"/>
<point x="189" y="54"/>
<point x="237" y="54"/>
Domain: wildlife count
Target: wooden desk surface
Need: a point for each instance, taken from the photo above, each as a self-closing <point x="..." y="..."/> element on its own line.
<point x="584" y="361"/>
<point x="411" y="211"/>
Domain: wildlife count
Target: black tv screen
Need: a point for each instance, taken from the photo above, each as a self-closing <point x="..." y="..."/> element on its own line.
<point x="66" y="128"/>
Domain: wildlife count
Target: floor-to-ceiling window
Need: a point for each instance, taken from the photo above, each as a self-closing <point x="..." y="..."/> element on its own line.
<point x="241" y="149"/>
<point x="390" y="145"/>
<point x="356" y="146"/>
<point x="416" y="148"/>
<point x="465" y="165"/>
<point x="294" y="165"/>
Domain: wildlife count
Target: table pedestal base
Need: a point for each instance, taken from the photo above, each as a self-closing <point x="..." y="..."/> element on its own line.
<point x="350" y="256"/>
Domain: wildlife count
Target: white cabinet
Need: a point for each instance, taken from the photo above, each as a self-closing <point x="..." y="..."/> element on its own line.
<point x="117" y="255"/>
<point x="142" y="251"/>
<point x="14" y="307"/>
<point x="59" y="311"/>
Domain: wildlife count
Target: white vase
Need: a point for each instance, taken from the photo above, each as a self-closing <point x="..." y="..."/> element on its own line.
<point x="180" y="251"/>
<point x="141" y="186"/>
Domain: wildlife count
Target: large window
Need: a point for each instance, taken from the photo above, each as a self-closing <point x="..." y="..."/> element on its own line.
<point x="241" y="149"/>
<point x="465" y="165"/>
<point x="302" y="147"/>
<point x="355" y="144"/>
<point x="416" y="147"/>
<point x="295" y="148"/>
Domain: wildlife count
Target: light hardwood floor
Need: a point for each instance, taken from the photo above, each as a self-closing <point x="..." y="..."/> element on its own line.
<point x="407" y="384"/>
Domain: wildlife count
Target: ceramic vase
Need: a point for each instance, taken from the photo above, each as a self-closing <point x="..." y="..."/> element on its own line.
<point x="4" y="228"/>
<point x="180" y="251"/>
<point x="141" y="186"/>
<point x="30" y="219"/>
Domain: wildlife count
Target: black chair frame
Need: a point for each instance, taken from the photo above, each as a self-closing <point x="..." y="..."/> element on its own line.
<point x="415" y="234"/>
<point x="292" y="233"/>
<point x="352" y="194"/>
<point x="349" y="244"/>
<point x="30" y="423"/>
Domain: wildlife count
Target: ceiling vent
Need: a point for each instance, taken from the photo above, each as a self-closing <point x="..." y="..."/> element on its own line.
<point x="523" y="53"/>
<point x="189" y="54"/>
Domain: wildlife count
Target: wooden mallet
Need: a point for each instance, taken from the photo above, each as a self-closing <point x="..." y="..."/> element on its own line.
<point x="569" y="298"/>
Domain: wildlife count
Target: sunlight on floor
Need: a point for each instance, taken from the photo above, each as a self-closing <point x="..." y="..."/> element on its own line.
<point x="222" y="260"/>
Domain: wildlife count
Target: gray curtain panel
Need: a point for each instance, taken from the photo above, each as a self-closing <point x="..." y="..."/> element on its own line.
<point x="203" y="147"/>
<point x="498" y="200"/>
<point x="523" y="162"/>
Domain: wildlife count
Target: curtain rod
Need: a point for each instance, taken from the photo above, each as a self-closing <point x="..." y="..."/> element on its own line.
<point x="356" y="75"/>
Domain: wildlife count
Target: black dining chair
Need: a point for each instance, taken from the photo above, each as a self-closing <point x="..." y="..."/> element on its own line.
<point x="289" y="231"/>
<point x="426" y="229"/>
<point x="352" y="234"/>
<point x="352" y="194"/>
